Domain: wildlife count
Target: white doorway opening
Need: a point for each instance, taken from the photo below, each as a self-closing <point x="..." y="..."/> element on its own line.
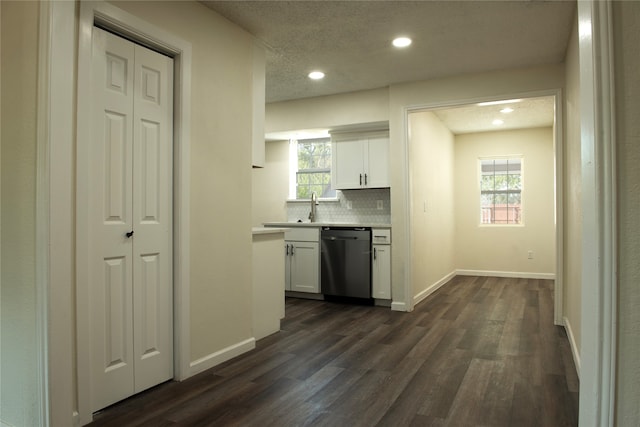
<point x="423" y="206"/>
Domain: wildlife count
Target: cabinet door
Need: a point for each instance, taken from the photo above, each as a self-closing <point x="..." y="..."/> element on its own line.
<point x="304" y="263"/>
<point x="381" y="264"/>
<point x="347" y="171"/>
<point x="377" y="162"/>
<point x="287" y="266"/>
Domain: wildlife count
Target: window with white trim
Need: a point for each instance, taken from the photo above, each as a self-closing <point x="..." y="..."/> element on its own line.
<point x="311" y="169"/>
<point x="501" y="190"/>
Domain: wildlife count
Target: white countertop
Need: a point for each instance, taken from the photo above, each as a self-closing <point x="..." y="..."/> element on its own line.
<point x="268" y="230"/>
<point x="323" y="224"/>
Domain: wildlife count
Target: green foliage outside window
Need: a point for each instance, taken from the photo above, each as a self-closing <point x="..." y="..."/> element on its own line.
<point x="314" y="155"/>
<point x="314" y="169"/>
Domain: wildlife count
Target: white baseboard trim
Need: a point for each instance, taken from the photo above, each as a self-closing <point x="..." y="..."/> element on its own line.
<point x="572" y="343"/>
<point x="513" y="274"/>
<point x="398" y="306"/>
<point x="213" y="359"/>
<point x="431" y="289"/>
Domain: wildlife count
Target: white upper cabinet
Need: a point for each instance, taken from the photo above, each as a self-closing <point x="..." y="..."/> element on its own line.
<point x="360" y="161"/>
<point x="377" y="160"/>
<point x="347" y="167"/>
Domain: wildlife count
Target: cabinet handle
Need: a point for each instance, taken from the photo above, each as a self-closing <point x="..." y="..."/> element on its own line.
<point x="375" y="253"/>
<point x="291" y="250"/>
<point x="365" y="179"/>
<point x="129" y="234"/>
<point x="360" y="179"/>
<point x="287" y="252"/>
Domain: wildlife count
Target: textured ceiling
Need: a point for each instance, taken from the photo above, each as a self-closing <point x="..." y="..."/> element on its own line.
<point x="351" y="40"/>
<point x="527" y="113"/>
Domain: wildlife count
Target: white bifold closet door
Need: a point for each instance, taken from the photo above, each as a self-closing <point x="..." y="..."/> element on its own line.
<point x="130" y="216"/>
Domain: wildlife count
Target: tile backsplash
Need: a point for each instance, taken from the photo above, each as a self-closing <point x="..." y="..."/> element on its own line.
<point x="352" y="206"/>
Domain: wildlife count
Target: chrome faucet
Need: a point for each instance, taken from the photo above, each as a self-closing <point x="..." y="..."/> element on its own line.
<point x="314" y="202"/>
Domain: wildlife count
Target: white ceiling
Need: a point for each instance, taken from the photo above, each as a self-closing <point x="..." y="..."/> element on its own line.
<point x="527" y="113"/>
<point x="350" y="40"/>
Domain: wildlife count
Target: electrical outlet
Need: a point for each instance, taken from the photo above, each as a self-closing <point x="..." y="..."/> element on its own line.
<point x="530" y="255"/>
<point x="380" y="205"/>
<point x="349" y="204"/>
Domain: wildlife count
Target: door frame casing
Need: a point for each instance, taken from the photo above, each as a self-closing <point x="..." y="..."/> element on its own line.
<point x="139" y="31"/>
<point x="598" y="352"/>
<point x="55" y="226"/>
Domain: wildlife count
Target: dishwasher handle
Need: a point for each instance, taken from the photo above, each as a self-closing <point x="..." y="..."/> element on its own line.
<point x="339" y="238"/>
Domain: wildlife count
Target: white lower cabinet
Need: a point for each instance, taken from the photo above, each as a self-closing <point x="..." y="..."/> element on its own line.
<point x="301" y="269"/>
<point x="381" y="264"/>
<point x="302" y="260"/>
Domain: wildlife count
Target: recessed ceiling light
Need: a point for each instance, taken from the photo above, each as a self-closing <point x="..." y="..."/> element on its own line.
<point x="402" y="42"/>
<point x="507" y="110"/>
<point x="498" y="122"/>
<point x="316" y="75"/>
<point x="506" y="101"/>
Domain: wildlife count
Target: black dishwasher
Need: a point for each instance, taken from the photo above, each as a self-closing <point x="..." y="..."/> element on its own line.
<point x="345" y="267"/>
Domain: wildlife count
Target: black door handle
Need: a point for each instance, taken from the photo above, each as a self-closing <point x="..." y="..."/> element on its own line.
<point x="129" y="234"/>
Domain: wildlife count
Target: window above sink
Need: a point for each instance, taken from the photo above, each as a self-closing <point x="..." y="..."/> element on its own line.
<point x="310" y="169"/>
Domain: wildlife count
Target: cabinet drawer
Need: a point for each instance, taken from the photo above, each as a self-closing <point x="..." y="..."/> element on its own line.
<point x="311" y="234"/>
<point x="381" y="236"/>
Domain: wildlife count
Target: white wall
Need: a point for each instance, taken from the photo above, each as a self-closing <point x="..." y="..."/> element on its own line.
<point x="572" y="204"/>
<point x="19" y="403"/>
<point x="626" y="25"/>
<point x="491" y="248"/>
<point x="270" y="185"/>
<point x="431" y="148"/>
<point x="328" y="111"/>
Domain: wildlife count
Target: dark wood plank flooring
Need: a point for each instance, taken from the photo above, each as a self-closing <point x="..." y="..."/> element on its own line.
<point x="481" y="351"/>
